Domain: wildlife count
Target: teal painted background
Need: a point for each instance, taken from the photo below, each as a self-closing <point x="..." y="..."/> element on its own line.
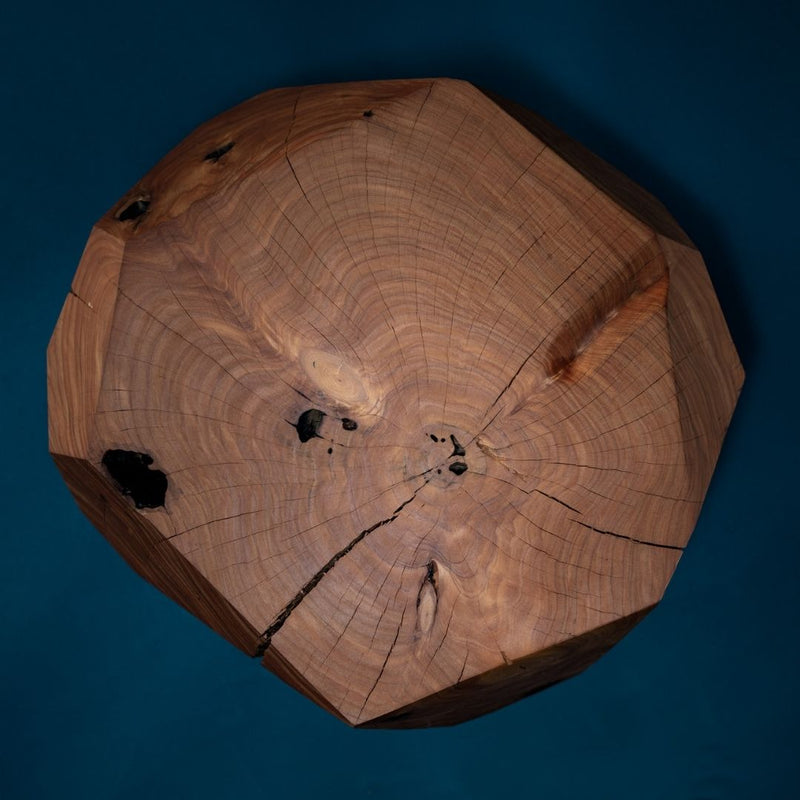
<point x="109" y="690"/>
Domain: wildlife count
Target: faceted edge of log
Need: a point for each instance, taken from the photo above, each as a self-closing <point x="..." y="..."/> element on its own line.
<point x="81" y="337"/>
<point x="83" y="327"/>
<point x="692" y="306"/>
<point x="508" y="684"/>
<point x="625" y="192"/>
<point x="703" y="354"/>
<point x="114" y="517"/>
<point x="285" y="670"/>
<point x="142" y="547"/>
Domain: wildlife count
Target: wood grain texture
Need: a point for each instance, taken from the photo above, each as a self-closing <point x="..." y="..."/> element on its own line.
<point x="437" y="393"/>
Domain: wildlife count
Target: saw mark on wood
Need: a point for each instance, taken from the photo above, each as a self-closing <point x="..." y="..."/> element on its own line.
<point x="131" y="472"/>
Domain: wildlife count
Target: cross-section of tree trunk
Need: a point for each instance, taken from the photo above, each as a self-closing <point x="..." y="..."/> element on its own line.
<point x="397" y="387"/>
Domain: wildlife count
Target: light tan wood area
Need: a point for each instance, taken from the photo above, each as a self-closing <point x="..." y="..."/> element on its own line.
<point x="397" y="387"/>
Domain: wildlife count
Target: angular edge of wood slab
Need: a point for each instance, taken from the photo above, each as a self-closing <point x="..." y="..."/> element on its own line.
<point x="659" y="287"/>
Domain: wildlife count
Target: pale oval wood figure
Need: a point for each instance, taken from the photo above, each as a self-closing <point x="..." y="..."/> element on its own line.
<point x="398" y="388"/>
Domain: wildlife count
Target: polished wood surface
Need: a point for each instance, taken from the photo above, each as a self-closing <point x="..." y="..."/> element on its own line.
<point x="398" y="388"/>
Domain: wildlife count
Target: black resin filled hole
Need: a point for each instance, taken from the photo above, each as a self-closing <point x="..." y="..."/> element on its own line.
<point x="216" y="155"/>
<point x="132" y="474"/>
<point x="458" y="448"/>
<point x="134" y="210"/>
<point x="309" y="423"/>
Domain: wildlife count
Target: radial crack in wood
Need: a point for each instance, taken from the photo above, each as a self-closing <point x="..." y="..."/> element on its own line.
<point x="397" y="387"/>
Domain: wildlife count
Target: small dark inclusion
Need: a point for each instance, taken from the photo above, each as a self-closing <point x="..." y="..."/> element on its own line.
<point x="134" y="210"/>
<point x="309" y="423"/>
<point x="216" y="155"/>
<point x="349" y="424"/>
<point x="458" y="467"/>
<point x="458" y="449"/>
<point x="131" y="472"/>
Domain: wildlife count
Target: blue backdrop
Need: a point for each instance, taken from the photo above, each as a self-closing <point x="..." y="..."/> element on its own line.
<point x="109" y="690"/>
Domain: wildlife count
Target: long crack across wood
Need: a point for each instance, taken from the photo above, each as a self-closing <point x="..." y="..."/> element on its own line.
<point x="629" y="538"/>
<point x="280" y="620"/>
<point x="385" y="662"/>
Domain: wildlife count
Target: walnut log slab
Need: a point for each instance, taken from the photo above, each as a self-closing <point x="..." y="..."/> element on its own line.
<point x="397" y="387"/>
